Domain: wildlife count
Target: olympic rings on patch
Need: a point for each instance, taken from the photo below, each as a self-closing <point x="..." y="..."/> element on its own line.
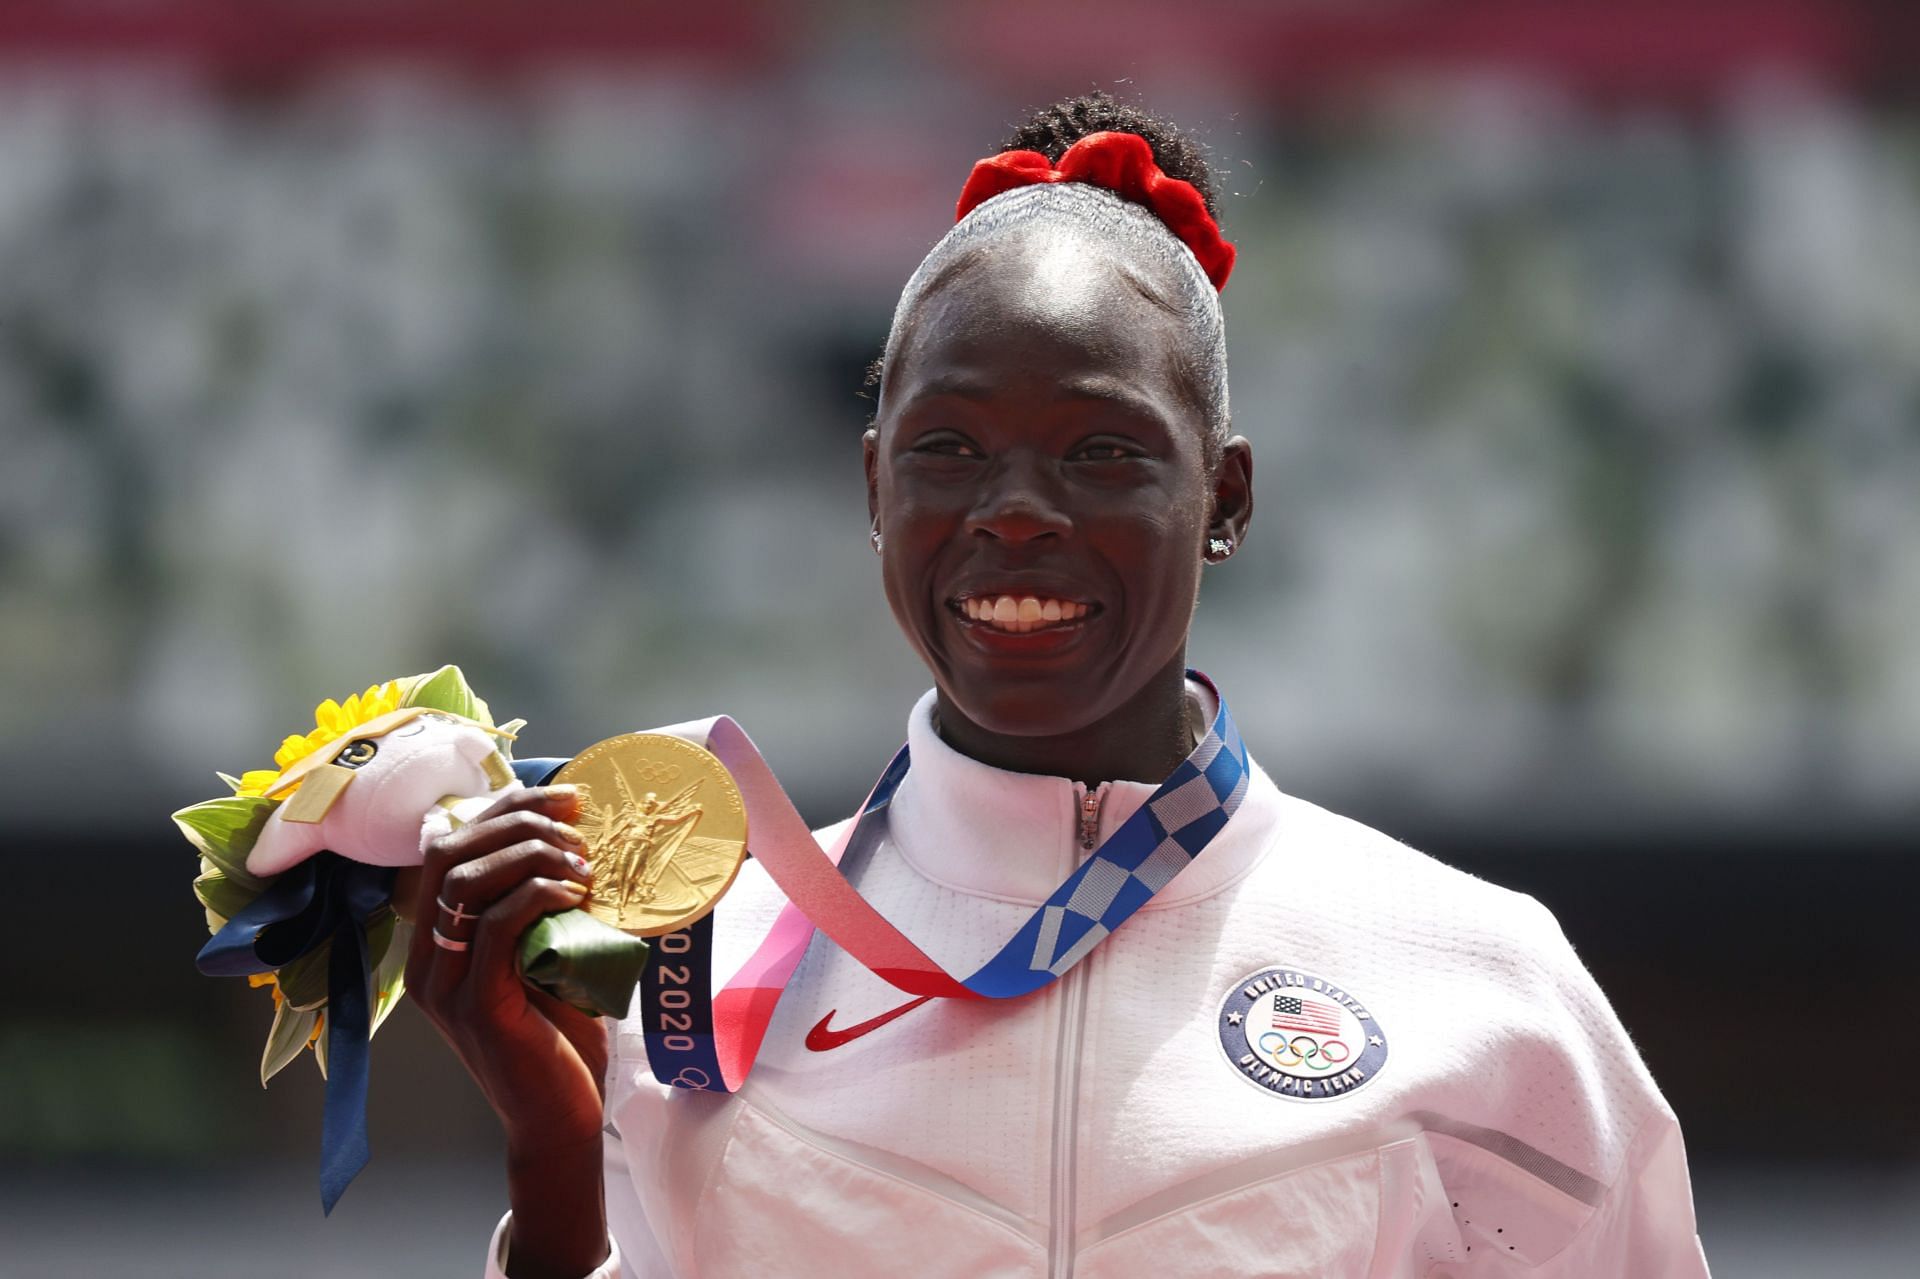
<point x="1272" y="1055"/>
<point x="1327" y="1060"/>
<point x="1316" y="1056"/>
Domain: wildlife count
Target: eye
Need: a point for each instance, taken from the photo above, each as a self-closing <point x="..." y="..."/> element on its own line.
<point x="1106" y="451"/>
<point x="418" y="724"/>
<point x="358" y="752"/>
<point x="948" y="444"/>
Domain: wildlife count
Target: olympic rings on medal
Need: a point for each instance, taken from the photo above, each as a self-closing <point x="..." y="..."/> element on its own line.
<point x="656" y="773"/>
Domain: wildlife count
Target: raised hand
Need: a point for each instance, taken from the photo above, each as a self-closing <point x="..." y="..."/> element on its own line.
<point x="540" y="1063"/>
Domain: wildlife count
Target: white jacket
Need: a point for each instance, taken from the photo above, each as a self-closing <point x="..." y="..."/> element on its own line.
<point x="1111" y="1125"/>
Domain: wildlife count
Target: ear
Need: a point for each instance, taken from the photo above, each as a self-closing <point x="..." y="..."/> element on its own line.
<point x="1233" y="492"/>
<point x="870" y="458"/>
<point x="282" y="844"/>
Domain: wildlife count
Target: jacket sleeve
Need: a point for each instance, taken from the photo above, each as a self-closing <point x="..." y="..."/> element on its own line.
<point x="1578" y="1170"/>
<point x="611" y="1268"/>
<point x="1644" y="1226"/>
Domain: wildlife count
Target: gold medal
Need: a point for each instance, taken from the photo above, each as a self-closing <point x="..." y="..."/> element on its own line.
<point x="666" y="831"/>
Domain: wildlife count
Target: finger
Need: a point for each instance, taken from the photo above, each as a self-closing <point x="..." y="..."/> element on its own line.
<point x="531" y="819"/>
<point x="489" y="833"/>
<point x="455" y="952"/>
<point x="435" y="965"/>
<point x="497" y="939"/>
<point x="560" y="801"/>
<point x="475" y="885"/>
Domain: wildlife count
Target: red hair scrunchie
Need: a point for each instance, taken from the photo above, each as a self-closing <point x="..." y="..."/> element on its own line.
<point x="1123" y="164"/>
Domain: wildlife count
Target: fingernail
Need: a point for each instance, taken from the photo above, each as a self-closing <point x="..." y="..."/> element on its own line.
<point x="580" y="864"/>
<point x="562" y="790"/>
<point x="571" y="835"/>
<point x="578" y="890"/>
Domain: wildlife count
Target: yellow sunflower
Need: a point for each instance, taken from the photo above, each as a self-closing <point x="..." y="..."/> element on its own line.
<point x="331" y="721"/>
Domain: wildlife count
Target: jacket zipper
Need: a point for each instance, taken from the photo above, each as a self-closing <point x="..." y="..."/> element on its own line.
<point x="1066" y="1071"/>
<point x="1090" y="817"/>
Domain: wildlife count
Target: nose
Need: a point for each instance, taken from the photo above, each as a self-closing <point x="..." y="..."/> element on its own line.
<point x="1018" y="504"/>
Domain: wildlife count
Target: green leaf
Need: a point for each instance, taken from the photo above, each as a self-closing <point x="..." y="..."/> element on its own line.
<point x="224" y="830"/>
<point x="583" y="962"/>
<point x="380" y="926"/>
<point x="291" y="1029"/>
<point x="390" y="972"/>
<point x="223" y="896"/>
<point x="447" y="690"/>
<point x="303" y="982"/>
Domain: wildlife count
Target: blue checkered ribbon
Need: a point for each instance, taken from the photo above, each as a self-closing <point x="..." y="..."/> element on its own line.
<point x="1136" y="861"/>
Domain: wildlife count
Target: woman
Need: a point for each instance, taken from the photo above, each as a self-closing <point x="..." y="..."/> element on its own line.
<point x="1311" y="1051"/>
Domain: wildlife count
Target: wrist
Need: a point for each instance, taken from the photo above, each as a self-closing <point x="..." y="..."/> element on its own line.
<point x="559" y="1222"/>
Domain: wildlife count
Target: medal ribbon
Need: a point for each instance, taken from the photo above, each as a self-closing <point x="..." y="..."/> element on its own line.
<point x="705" y="1042"/>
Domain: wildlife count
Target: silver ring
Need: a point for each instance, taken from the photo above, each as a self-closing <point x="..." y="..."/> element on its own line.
<point x="460" y="913"/>
<point x="445" y="942"/>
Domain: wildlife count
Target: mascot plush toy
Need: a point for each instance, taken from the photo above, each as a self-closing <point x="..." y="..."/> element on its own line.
<point x="298" y="869"/>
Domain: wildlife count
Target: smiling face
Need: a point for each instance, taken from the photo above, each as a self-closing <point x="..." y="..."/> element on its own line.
<point x="1041" y="473"/>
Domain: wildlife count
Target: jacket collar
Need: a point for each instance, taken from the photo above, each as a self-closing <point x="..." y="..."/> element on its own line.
<point x="1014" y="837"/>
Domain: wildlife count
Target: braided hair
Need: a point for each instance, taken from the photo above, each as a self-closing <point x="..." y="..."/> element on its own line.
<point x="1202" y="365"/>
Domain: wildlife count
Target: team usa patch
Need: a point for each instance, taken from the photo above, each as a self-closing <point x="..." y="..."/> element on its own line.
<point x="1299" y="1036"/>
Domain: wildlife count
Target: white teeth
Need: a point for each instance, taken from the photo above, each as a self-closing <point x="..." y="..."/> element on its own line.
<point x="1019" y="614"/>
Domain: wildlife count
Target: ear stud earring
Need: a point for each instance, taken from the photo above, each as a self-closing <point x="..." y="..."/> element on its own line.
<point x="1218" y="548"/>
<point x="875" y="535"/>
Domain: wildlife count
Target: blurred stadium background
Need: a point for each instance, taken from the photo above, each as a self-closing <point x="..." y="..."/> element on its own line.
<point x="1580" y="348"/>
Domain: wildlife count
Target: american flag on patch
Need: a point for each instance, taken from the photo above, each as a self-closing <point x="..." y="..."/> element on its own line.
<point x="1297" y="1012"/>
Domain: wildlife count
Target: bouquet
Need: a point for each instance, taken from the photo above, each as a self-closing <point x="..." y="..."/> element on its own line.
<point x="298" y="874"/>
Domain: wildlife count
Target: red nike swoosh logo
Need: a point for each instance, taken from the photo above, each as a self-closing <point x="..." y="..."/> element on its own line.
<point x="822" y="1038"/>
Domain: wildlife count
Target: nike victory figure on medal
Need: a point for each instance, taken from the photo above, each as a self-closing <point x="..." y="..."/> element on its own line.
<point x="666" y="831"/>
